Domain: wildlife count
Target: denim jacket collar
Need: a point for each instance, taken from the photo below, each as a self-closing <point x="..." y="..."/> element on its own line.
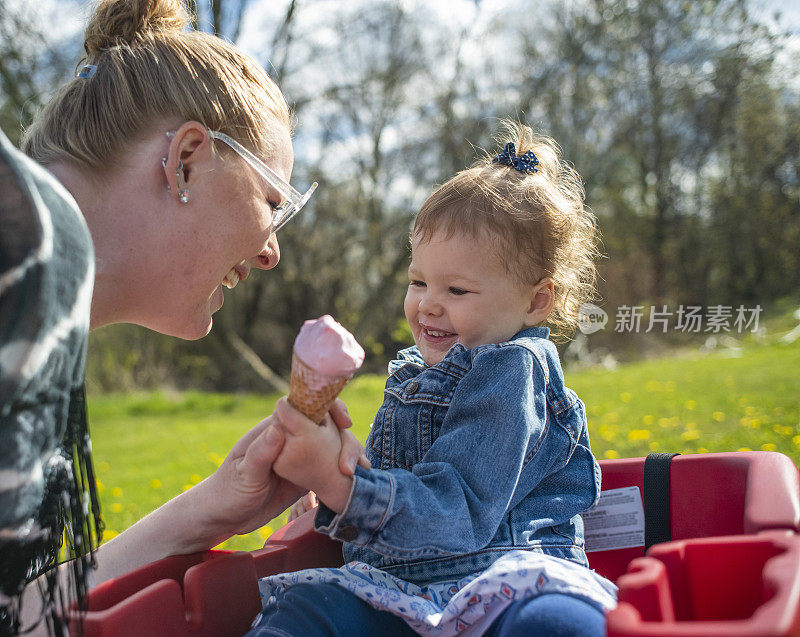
<point x="413" y="355"/>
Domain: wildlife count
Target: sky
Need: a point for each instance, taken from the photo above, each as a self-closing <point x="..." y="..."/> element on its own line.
<point x="69" y="16"/>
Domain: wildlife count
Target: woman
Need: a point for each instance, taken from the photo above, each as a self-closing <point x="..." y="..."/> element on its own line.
<point x="176" y="149"/>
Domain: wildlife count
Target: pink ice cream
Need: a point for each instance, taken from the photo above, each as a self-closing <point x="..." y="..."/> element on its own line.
<point x="328" y="348"/>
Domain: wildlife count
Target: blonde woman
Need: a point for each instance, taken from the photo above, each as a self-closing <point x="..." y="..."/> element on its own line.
<point x="158" y="175"/>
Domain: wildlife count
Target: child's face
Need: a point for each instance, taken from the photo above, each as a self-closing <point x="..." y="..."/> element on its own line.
<point x="459" y="292"/>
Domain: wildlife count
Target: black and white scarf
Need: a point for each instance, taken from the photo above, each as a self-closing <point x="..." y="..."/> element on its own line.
<point x="49" y="511"/>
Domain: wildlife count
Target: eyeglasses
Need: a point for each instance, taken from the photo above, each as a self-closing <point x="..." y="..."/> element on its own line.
<point x="292" y="200"/>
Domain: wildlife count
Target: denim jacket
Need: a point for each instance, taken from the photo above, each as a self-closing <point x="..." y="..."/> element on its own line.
<point x="484" y="453"/>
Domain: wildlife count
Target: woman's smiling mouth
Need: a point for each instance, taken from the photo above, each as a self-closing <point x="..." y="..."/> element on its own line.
<point x="233" y="277"/>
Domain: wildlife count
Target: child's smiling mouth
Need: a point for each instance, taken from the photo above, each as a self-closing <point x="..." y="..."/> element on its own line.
<point x="436" y="335"/>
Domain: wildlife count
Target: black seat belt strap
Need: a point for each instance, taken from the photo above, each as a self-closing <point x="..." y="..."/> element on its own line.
<point x="656" y="498"/>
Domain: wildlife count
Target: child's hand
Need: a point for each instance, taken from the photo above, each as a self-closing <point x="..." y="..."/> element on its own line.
<point x="303" y="505"/>
<point x="310" y="456"/>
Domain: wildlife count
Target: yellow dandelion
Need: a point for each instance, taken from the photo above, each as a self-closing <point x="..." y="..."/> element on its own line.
<point x="648" y="419"/>
<point x="796" y="441"/>
<point x="116" y="507"/>
<point x="786" y="430"/>
<point x="749" y="410"/>
<point x="719" y="416"/>
<point x="625" y="397"/>
<point x="768" y="446"/>
<point x="690" y="426"/>
<point x="215" y="458"/>
<point x="664" y="422"/>
<point x="155" y="483"/>
<point x="608" y="433"/>
<point x="265" y="532"/>
<point x="692" y="434"/>
<point x="186" y="487"/>
<point x="611" y="454"/>
<point x="744" y="421"/>
<point x="744" y="449"/>
<point x="100" y="486"/>
<point x="654" y="446"/>
<point x="638" y="434"/>
<point x="755" y="423"/>
<point x="109" y="534"/>
<point x="195" y="478"/>
<point x="652" y="385"/>
<point x="691" y="405"/>
<point x="116" y="492"/>
<point x="702" y="450"/>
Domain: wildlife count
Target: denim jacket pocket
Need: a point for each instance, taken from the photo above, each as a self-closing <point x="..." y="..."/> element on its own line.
<point x="568" y="412"/>
<point x="410" y="419"/>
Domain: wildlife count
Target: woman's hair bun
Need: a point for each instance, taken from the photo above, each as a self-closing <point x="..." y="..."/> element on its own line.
<point x="117" y="22"/>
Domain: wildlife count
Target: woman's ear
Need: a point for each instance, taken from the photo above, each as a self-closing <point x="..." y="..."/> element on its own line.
<point x="542" y="299"/>
<point x="189" y="151"/>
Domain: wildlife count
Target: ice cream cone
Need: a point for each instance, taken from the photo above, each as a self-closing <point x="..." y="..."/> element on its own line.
<point x="311" y="392"/>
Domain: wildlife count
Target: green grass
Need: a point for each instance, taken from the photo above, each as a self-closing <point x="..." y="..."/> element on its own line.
<point x="149" y="447"/>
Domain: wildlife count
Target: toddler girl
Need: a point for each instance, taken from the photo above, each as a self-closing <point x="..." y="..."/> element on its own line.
<point x="469" y="521"/>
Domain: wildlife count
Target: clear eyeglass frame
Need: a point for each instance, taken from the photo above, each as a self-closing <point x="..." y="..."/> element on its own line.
<point x="292" y="200"/>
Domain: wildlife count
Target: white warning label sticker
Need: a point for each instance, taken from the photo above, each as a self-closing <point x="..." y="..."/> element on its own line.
<point x="616" y="522"/>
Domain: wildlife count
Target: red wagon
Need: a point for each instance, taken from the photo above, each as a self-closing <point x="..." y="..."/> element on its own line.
<point x="732" y="566"/>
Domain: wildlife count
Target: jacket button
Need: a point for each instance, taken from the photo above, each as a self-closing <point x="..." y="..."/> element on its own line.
<point x="348" y="533"/>
<point x="412" y="387"/>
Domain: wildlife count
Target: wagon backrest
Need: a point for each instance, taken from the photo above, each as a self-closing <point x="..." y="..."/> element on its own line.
<point x="712" y="494"/>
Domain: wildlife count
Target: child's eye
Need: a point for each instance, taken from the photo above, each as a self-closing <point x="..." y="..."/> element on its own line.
<point x="417" y="284"/>
<point x="458" y="291"/>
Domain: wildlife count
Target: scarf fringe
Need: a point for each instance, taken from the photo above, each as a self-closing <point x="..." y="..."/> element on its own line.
<point x="72" y="529"/>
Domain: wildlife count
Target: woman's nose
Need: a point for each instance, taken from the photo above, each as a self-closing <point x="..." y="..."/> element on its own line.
<point x="268" y="258"/>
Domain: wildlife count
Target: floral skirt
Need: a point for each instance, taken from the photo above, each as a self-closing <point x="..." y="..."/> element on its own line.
<point x="464" y="607"/>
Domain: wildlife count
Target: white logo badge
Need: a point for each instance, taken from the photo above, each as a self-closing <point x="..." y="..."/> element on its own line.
<point x="591" y="318"/>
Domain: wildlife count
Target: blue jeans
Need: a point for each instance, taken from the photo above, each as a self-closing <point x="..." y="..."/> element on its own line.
<point x="326" y="609"/>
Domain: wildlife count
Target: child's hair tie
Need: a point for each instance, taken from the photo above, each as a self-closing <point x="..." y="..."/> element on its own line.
<point x="525" y="163"/>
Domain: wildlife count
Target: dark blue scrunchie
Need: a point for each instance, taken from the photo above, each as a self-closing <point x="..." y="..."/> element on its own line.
<point x="525" y="163"/>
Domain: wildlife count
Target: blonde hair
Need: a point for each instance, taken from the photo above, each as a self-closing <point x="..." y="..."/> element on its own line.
<point x="150" y="67"/>
<point x="537" y="221"/>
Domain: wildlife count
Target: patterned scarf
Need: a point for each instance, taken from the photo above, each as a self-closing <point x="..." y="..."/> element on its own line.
<point x="49" y="510"/>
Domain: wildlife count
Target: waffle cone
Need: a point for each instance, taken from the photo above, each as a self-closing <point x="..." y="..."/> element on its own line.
<point x="313" y="393"/>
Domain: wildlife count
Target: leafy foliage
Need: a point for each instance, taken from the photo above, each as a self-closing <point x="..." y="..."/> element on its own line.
<point x="681" y="116"/>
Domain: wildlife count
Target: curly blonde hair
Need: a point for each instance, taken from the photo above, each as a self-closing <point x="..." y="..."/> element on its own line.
<point x="151" y="67"/>
<point x="537" y="221"/>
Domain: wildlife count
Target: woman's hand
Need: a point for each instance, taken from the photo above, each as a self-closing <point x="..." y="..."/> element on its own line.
<point x="248" y="494"/>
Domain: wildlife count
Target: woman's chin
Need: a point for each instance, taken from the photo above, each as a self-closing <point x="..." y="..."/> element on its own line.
<point x="198" y="322"/>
